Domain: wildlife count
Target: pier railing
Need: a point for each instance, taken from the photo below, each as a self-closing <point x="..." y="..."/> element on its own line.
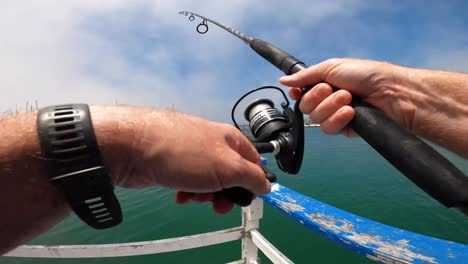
<point x="374" y="240"/>
<point x="248" y="232"/>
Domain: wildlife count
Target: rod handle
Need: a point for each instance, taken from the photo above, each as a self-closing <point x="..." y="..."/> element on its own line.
<point x="418" y="161"/>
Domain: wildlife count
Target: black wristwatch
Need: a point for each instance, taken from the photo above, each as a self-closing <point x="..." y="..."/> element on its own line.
<point x="75" y="165"/>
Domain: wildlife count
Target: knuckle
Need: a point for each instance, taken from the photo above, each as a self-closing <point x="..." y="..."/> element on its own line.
<point x="333" y="61"/>
<point x="324" y="86"/>
<point x="308" y="99"/>
<point x="322" y="90"/>
<point x="251" y="154"/>
<point x="256" y="157"/>
<point x="341" y="97"/>
<point x="348" y="132"/>
<point x="329" y="66"/>
<point x="312" y="99"/>
<point x="314" y="117"/>
<point x="234" y="173"/>
<point x="305" y="106"/>
<point x="329" y="129"/>
<point x="227" y="128"/>
<point x="230" y="134"/>
<point x="223" y="172"/>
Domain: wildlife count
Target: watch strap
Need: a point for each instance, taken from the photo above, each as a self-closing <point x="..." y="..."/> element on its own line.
<point x="75" y="164"/>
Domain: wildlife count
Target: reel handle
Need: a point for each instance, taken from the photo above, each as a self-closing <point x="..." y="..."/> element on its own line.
<point x="243" y="197"/>
<point x="239" y="196"/>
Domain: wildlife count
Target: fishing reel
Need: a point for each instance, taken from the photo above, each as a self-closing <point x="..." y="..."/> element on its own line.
<point x="281" y="133"/>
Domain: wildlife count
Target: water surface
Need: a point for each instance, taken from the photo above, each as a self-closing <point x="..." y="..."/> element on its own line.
<point x="345" y="173"/>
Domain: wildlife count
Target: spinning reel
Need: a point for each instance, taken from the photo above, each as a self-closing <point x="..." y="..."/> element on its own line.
<point x="281" y="133"/>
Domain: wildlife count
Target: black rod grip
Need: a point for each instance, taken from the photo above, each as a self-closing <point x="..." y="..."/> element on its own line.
<point x="239" y="196"/>
<point x="243" y="197"/>
<point x="418" y="161"/>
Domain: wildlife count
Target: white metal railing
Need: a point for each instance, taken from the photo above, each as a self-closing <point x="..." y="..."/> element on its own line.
<point x="251" y="238"/>
<point x="376" y="241"/>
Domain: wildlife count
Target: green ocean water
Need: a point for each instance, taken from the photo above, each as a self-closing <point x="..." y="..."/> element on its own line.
<point x="345" y="173"/>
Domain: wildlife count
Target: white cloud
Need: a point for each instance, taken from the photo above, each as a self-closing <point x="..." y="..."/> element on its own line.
<point x="144" y="53"/>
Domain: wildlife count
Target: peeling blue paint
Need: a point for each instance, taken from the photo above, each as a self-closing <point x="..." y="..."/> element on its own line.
<point x="374" y="240"/>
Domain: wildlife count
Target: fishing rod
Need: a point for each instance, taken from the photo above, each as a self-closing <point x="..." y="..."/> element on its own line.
<point x="415" y="159"/>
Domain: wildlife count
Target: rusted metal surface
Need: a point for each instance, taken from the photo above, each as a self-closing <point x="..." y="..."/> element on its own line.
<point x="376" y="241"/>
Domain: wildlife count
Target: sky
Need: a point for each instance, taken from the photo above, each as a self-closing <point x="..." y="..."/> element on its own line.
<point x="144" y="53"/>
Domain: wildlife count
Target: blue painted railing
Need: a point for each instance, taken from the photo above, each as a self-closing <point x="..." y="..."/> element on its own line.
<point x="374" y="240"/>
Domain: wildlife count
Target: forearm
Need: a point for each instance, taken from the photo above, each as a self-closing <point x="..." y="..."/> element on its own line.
<point x="141" y="147"/>
<point x="440" y="111"/>
<point x="30" y="203"/>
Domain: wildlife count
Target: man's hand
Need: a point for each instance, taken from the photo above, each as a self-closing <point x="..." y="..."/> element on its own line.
<point x="432" y="104"/>
<point x="194" y="156"/>
<point x="141" y="147"/>
<point x="375" y="82"/>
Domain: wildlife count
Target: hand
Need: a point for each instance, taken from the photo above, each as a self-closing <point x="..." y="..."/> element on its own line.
<point x="196" y="157"/>
<point x="141" y="147"/>
<point x="375" y="82"/>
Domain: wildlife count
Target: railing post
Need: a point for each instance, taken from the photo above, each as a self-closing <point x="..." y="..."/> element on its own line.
<point x="251" y="216"/>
